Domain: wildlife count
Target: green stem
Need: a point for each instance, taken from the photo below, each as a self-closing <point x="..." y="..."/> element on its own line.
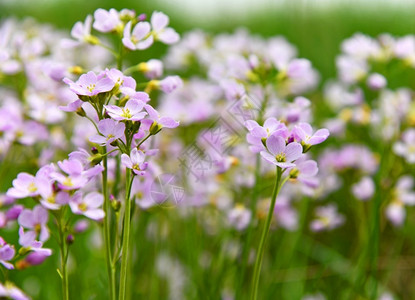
<point x="265" y="231"/>
<point x="126" y="237"/>
<point x="64" y="259"/>
<point x="143" y="140"/>
<point x="107" y="233"/>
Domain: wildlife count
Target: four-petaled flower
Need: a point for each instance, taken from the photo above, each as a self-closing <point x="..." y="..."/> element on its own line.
<point x="280" y="154"/>
<point x="132" y="111"/>
<point x="135" y="161"/>
<point x="90" y="84"/>
<point x="110" y="131"/>
<point x="35" y="220"/>
<point x="161" y="32"/>
<point x="140" y="38"/>
<point x="88" y="205"/>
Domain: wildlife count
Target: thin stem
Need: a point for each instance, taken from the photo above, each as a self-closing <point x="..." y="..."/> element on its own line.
<point x="107" y="233"/>
<point x="92" y="121"/>
<point x="126" y="237"/>
<point x="143" y="140"/>
<point x="265" y="231"/>
<point x="64" y="259"/>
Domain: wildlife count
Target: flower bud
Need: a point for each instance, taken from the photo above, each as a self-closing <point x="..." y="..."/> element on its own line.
<point x="70" y="239"/>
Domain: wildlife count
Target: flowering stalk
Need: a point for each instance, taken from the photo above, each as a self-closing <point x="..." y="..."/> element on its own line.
<point x="126" y="236"/>
<point x="265" y="231"/>
<point x="64" y="258"/>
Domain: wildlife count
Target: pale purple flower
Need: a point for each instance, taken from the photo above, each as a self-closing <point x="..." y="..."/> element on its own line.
<point x="305" y="171"/>
<point x="303" y="132"/>
<point x="152" y="69"/>
<point x="73" y="106"/>
<point x="14" y="212"/>
<point x="135" y="161"/>
<point x="6" y="254"/>
<point x="140" y="38"/>
<point x="90" y="84"/>
<point x="82" y="31"/>
<point x="132" y="111"/>
<point x="364" y="189"/>
<point x="161" y="32"/>
<point x="110" y="131"/>
<point x="301" y="76"/>
<point x="258" y="134"/>
<point x="376" y="81"/>
<point x="106" y="21"/>
<point x="406" y="147"/>
<point x="25" y="185"/>
<point x="36" y="221"/>
<point x="50" y="199"/>
<point x="88" y="205"/>
<point x="239" y="217"/>
<point x="81" y="226"/>
<point x="9" y="290"/>
<point x="280" y="154"/>
<point x="170" y="83"/>
<point x="402" y="195"/>
<point x="327" y="218"/>
<point x="157" y="120"/>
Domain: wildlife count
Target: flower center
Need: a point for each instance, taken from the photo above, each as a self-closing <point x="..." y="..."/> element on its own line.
<point x="38" y="228"/>
<point x="82" y="207"/>
<point x="136" y="167"/>
<point x="126" y="113"/>
<point x="50" y="199"/>
<point x="110" y="136"/>
<point x="90" y="87"/>
<point x="32" y="187"/>
<point x="281" y="157"/>
<point x="67" y="182"/>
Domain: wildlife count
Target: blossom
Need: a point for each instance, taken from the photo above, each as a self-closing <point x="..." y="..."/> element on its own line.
<point x="151" y="69"/>
<point x="280" y="154"/>
<point x="106" y="21"/>
<point x="364" y="189"/>
<point x="132" y="111"/>
<point x="161" y="32"/>
<point x="135" y="161"/>
<point x="303" y="132"/>
<point x="6" y="254"/>
<point x="9" y="290"/>
<point x="90" y="84"/>
<point x="139" y="38"/>
<point x="406" y="147"/>
<point x="25" y="185"/>
<point x="110" y="131"/>
<point x="35" y="220"/>
<point x="376" y="81"/>
<point x="258" y="134"/>
<point x="305" y="172"/>
<point x="402" y="195"/>
<point x="82" y="31"/>
<point x="239" y="217"/>
<point x="159" y="122"/>
<point x="327" y="218"/>
<point x="88" y="205"/>
<point x="169" y="84"/>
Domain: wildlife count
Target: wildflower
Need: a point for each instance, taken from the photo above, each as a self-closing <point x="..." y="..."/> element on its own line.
<point x="135" y="161"/>
<point x="280" y="154"/>
<point x="406" y="147"/>
<point x="25" y="185"/>
<point x="303" y="132"/>
<point x="305" y="172"/>
<point x="376" y="81"/>
<point x="157" y="122"/>
<point x="35" y="220"/>
<point x="327" y="218"/>
<point x="107" y="21"/>
<point x="6" y="254"/>
<point x="239" y="217"/>
<point x="110" y="131"/>
<point x="151" y="69"/>
<point x="258" y="134"/>
<point x="87" y="205"/>
<point x="167" y="35"/>
<point x="90" y="84"/>
<point x="132" y="111"/>
<point x="81" y="32"/>
<point x="139" y="38"/>
<point x="364" y="189"/>
<point x="402" y="195"/>
<point x="9" y="290"/>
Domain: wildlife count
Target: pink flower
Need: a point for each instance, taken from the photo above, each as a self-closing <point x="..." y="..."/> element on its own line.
<point x="303" y="133"/>
<point x="161" y="32"/>
<point x="6" y="253"/>
<point x="110" y="131"/>
<point x="156" y="120"/>
<point x="132" y="111"/>
<point x="327" y="218"/>
<point x="170" y="83"/>
<point x="90" y="84"/>
<point x="25" y="185"/>
<point x="35" y="220"/>
<point x="106" y="21"/>
<point x="135" y="161"/>
<point x="280" y="154"/>
<point x="88" y="206"/>
<point x="257" y="134"/>
<point x="139" y="38"/>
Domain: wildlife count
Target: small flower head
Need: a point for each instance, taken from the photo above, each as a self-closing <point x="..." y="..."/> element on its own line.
<point x="132" y="111"/>
<point x="280" y="154"/>
<point x="90" y="84"/>
<point x="88" y="205"/>
<point x="110" y="131"/>
<point x="161" y="32"/>
<point x="135" y="161"/>
<point x="140" y="38"/>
